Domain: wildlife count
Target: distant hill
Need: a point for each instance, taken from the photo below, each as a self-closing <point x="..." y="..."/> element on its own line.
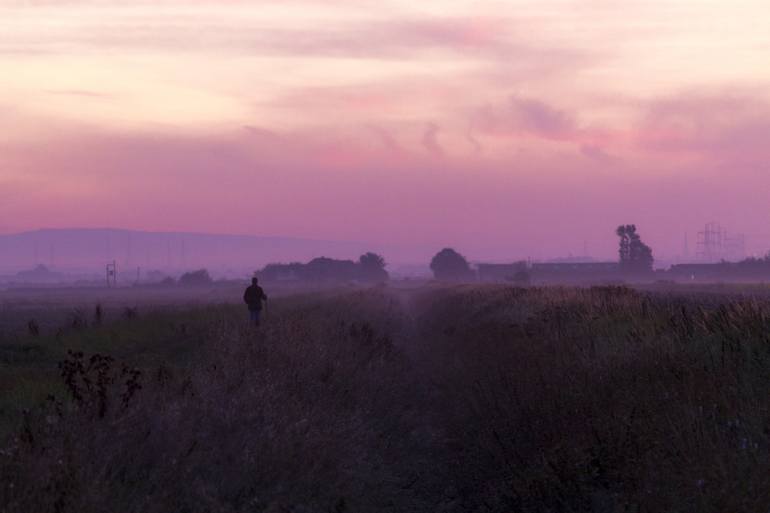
<point x="85" y="250"/>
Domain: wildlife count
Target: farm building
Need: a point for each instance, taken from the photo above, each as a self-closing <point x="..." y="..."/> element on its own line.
<point x="746" y="270"/>
<point x="572" y="272"/>
<point x="502" y="272"/>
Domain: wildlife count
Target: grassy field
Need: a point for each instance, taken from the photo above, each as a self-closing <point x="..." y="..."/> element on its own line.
<point x="434" y="398"/>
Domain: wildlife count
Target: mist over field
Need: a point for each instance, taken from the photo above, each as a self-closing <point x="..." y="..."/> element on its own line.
<point x="86" y="249"/>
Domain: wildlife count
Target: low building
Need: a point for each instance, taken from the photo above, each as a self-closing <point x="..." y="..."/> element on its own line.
<point x="745" y="270"/>
<point x="515" y="272"/>
<point x="576" y="272"/>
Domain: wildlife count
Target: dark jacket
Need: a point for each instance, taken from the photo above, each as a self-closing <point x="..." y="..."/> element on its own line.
<point x="254" y="296"/>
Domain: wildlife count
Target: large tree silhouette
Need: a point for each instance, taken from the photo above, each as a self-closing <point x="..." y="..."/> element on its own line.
<point x="635" y="255"/>
<point x="372" y="267"/>
<point x="449" y="265"/>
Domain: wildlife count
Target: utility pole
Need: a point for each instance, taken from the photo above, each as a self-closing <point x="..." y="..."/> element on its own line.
<point x="112" y="274"/>
<point x="128" y="249"/>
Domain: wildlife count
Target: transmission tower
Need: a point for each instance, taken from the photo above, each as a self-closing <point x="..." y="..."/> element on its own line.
<point x="715" y="244"/>
<point x="710" y="243"/>
<point x="734" y="246"/>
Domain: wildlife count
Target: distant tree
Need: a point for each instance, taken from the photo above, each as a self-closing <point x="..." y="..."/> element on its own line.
<point x="623" y="252"/>
<point x="372" y="267"/>
<point x="199" y="277"/>
<point x="329" y="270"/>
<point x="281" y="272"/>
<point x="40" y="274"/>
<point x="449" y="265"/>
<point x="155" y="276"/>
<point x="635" y="255"/>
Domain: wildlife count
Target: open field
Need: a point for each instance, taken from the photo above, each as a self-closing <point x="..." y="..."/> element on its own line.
<point x="432" y="398"/>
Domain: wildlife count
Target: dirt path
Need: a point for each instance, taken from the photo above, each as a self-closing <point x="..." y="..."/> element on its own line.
<point x="435" y="395"/>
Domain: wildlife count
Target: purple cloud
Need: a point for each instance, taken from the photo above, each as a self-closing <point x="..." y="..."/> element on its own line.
<point x="596" y="153"/>
<point x="540" y="118"/>
<point x="386" y="138"/>
<point x="430" y="140"/>
<point x="527" y="116"/>
<point x="720" y="127"/>
<point x="486" y="38"/>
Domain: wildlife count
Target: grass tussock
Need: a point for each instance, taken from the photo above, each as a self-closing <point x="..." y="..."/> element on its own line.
<point x="442" y="399"/>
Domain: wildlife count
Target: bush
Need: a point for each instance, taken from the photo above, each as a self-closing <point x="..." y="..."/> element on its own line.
<point x="372" y="268"/>
<point x="449" y="265"/>
<point x="195" y="278"/>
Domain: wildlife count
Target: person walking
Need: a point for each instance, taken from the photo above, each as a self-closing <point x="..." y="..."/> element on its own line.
<point x="253" y="298"/>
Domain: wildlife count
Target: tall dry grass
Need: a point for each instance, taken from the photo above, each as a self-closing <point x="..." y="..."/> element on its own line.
<point x="464" y="398"/>
<point x="314" y="412"/>
<point x="603" y="399"/>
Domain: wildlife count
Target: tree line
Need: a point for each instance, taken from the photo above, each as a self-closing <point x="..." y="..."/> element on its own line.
<point x="634" y="256"/>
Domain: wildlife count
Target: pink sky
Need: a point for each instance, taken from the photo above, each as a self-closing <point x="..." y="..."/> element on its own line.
<point x="517" y="128"/>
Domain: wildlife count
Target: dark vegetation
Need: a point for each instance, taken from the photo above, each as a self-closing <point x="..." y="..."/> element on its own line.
<point x="449" y="265"/>
<point x="465" y="398"/>
<point x="195" y="278"/>
<point x="370" y="268"/>
<point x="747" y="270"/>
<point x="635" y="255"/>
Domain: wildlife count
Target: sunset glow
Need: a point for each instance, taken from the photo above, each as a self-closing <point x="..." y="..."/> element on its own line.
<point x="492" y="126"/>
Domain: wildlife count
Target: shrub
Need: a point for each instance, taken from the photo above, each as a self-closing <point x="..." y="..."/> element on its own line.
<point x="449" y="265"/>
<point x="372" y="267"/>
<point x="195" y="278"/>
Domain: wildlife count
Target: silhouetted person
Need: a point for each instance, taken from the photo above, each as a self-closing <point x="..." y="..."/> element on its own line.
<point x="253" y="298"/>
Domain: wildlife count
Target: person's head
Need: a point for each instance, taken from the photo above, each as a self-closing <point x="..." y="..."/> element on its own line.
<point x="254" y="281"/>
